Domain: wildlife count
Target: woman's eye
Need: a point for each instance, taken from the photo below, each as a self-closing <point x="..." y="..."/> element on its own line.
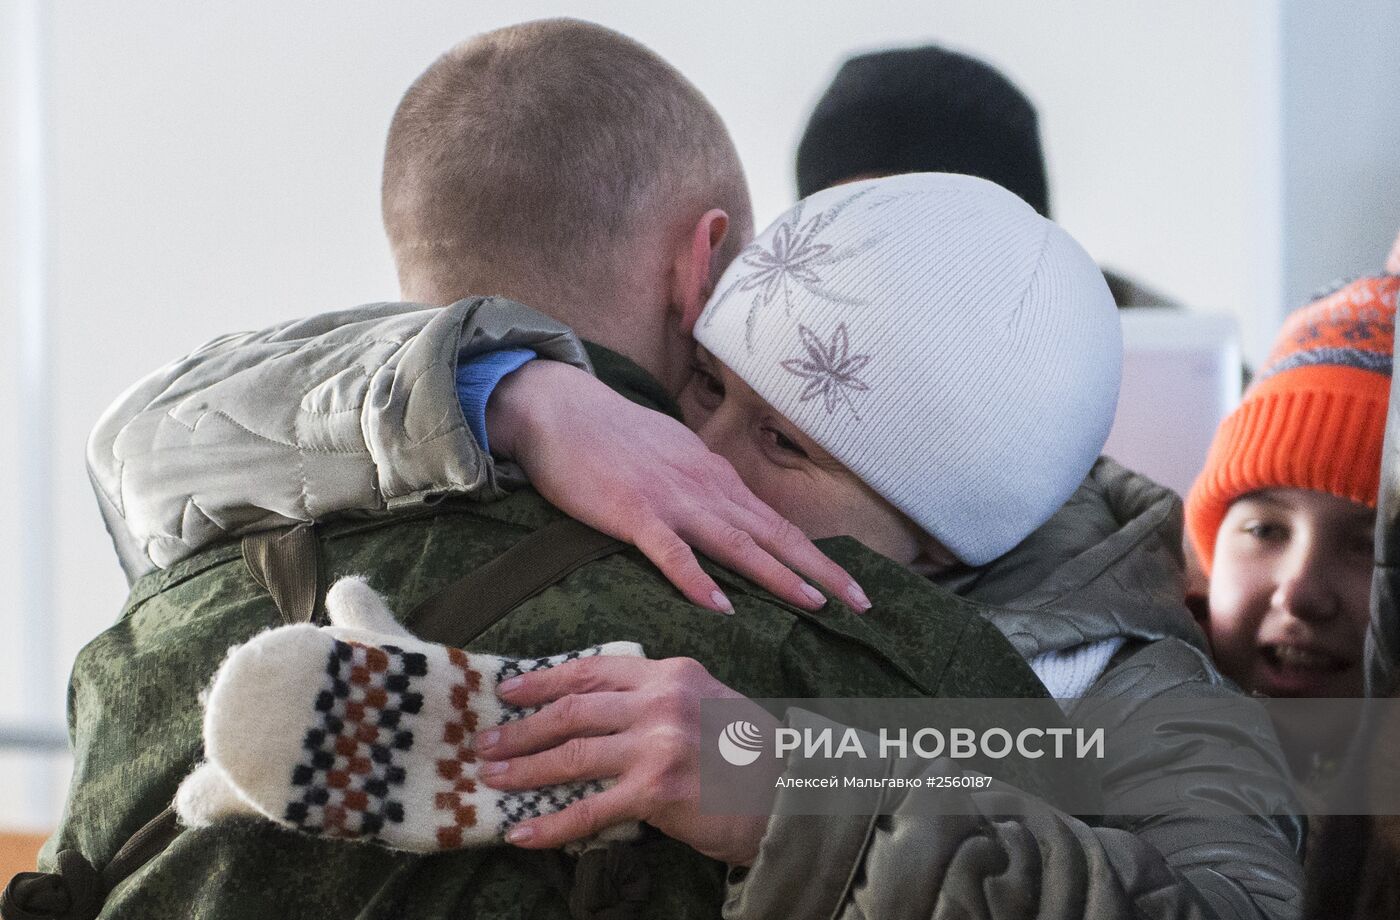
<point x="784" y="443"/>
<point x="708" y="389"/>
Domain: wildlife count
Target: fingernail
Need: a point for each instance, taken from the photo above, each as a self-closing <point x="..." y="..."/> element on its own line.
<point x="506" y="686"/>
<point x="486" y="740"/>
<point x="856" y="597"/>
<point x="721" y="602"/>
<point x="813" y="595"/>
<point x="495" y="768"/>
<point x="520" y="833"/>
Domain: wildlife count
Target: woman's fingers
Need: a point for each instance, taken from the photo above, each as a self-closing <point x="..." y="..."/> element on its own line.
<point x="573" y="716"/>
<point x="674" y="557"/>
<point x="644" y="478"/>
<point x="575" y="760"/>
<point x="600" y="673"/>
<point x="584" y="818"/>
<point x="784" y="540"/>
<point x="645" y="734"/>
<point x="737" y="549"/>
<point x="732" y="536"/>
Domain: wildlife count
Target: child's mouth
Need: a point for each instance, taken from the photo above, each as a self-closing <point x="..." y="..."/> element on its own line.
<point x="1292" y="656"/>
<point x="1297" y="671"/>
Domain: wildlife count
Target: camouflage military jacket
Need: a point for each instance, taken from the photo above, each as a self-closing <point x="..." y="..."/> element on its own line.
<point x="135" y="715"/>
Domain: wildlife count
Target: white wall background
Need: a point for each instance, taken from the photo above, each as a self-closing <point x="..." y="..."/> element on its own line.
<point x="210" y="167"/>
<point x="1341" y="156"/>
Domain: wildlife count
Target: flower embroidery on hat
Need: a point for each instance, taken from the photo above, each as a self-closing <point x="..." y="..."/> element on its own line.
<point x="830" y="369"/>
<point x="794" y="258"/>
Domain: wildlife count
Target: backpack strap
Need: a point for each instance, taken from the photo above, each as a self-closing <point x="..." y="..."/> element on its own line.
<point x="286" y="563"/>
<point x="77" y="891"/>
<point x="472" y="604"/>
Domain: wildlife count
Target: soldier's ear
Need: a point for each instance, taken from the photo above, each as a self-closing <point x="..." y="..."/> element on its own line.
<point x="697" y="268"/>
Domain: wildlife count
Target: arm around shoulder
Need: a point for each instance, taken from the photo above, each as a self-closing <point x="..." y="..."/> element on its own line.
<point x="349" y="411"/>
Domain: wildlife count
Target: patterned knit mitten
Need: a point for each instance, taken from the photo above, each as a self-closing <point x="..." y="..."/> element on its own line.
<point x="358" y="730"/>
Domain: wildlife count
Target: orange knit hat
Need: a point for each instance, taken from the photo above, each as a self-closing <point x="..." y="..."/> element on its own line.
<point x="1314" y="417"/>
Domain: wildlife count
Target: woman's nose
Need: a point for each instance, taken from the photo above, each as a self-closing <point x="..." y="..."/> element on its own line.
<point x="721" y="427"/>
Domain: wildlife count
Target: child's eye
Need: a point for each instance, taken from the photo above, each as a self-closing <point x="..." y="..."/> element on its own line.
<point x="784" y="443"/>
<point x="1266" y="531"/>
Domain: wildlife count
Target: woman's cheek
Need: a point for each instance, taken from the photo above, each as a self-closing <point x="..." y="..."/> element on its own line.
<point x="799" y="499"/>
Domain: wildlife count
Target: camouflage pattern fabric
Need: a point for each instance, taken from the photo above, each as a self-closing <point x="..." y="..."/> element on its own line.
<point x="134" y="713"/>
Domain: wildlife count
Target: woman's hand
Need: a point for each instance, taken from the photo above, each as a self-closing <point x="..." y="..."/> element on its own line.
<point x="646" y="479"/>
<point x="634" y="719"/>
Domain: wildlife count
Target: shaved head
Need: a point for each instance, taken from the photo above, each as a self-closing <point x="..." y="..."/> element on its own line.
<point x="539" y="154"/>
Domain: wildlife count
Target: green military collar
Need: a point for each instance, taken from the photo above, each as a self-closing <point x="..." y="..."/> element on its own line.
<point x="626" y="377"/>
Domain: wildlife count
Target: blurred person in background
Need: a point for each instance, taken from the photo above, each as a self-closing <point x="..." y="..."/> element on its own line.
<point x="929" y="109"/>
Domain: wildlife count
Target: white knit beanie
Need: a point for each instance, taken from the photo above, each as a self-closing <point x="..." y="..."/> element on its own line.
<point x="955" y="350"/>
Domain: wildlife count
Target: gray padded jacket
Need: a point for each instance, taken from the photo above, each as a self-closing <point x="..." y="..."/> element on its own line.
<point x="1107" y="564"/>
<point x="357" y="412"/>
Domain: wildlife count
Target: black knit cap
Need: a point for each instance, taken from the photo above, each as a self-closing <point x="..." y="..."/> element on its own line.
<point x="923" y="110"/>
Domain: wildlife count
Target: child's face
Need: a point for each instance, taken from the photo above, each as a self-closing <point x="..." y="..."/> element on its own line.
<point x="1290" y="593"/>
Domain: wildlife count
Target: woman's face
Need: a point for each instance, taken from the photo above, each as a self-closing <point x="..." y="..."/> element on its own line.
<point x="787" y="469"/>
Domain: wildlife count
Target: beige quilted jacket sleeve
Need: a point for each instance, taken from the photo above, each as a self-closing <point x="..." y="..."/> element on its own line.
<point x="354" y="411"/>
